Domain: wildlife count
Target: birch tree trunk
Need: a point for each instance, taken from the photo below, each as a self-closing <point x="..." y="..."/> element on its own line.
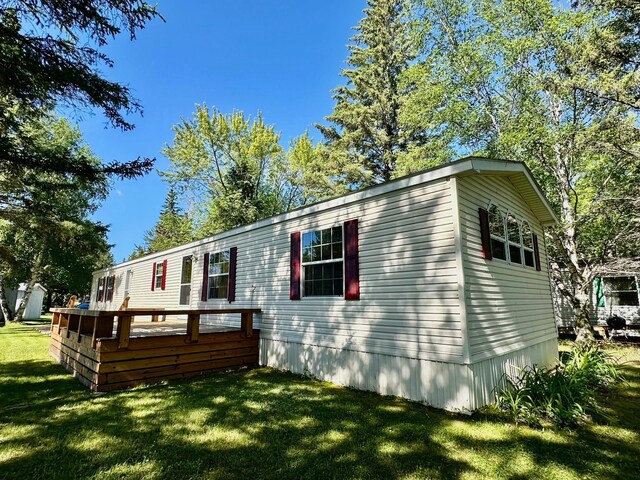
<point x="7" y="315"/>
<point x="35" y="276"/>
<point x="567" y="242"/>
<point x="25" y="300"/>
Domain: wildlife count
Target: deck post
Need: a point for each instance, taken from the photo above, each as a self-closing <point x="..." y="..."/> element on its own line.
<point x="123" y="331"/>
<point x="62" y="322"/>
<point x="55" y="320"/>
<point x="87" y="326"/>
<point x="102" y="327"/>
<point x="73" y="323"/>
<point x="246" y="323"/>
<point x="193" y="327"/>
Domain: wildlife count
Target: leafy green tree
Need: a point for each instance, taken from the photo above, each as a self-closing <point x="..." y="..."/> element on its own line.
<point x="230" y="167"/>
<point x="529" y="80"/>
<point x="43" y="229"/>
<point x="311" y="173"/>
<point x="172" y="229"/>
<point x="367" y="138"/>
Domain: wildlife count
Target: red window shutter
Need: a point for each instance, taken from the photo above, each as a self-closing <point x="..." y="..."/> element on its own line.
<point x="536" y="252"/>
<point x="153" y="277"/>
<point x="205" y="278"/>
<point x="294" y="288"/>
<point x="485" y="234"/>
<point x="231" y="289"/>
<point x="164" y="275"/>
<point x="351" y="264"/>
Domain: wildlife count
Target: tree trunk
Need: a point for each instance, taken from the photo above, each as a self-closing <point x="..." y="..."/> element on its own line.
<point x="7" y="315"/>
<point x="49" y="295"/>
<point x="25" y="300"/>
<point x="4" y="306"/>
<point x="567" y="242"/>
<point x="583" y="328"/>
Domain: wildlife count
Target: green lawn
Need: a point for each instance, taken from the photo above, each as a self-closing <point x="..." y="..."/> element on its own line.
<point x="266" y="424"/>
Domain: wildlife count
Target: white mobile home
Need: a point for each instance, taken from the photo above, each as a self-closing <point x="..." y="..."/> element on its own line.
<point x="429" y="287"/>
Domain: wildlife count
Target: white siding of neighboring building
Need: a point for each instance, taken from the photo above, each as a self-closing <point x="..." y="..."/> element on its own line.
<point x="508" y="306"/>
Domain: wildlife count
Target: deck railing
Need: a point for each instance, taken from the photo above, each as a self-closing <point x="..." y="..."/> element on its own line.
<point x="95" y="324"/>
<point x="84" y="342"/>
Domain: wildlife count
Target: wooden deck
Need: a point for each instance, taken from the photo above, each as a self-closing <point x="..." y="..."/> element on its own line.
<point x="105" y="351"/>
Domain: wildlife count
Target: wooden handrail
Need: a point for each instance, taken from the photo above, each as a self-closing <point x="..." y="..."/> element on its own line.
<point x="99" y="323"/>
<point x="149" y="311"/>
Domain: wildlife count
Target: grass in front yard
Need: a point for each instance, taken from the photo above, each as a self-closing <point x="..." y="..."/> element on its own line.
<point x="267" y="424"/>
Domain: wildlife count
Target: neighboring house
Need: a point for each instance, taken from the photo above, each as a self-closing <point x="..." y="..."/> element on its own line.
<point x="615" y="293"/>
<point x="430" y="287"/>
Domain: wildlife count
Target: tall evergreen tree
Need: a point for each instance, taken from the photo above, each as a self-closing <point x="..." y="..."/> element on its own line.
<point x="172" y="229"/>
<point x="367" y="138"/>
<point x="49" y="55"/>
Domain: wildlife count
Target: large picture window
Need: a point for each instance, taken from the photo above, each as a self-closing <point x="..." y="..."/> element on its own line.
<point x="322" y="262"/>
<point x="219" y="274"/>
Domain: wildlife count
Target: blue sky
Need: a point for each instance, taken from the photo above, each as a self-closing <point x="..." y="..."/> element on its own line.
<point x="279" y="57"/>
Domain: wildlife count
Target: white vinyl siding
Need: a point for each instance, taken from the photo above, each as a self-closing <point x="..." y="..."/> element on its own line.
<point x="409" y="300"/>
<point x="410" y="334"/>
<point x="508" y="305"/>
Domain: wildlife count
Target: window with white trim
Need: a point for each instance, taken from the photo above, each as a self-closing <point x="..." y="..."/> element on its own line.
<point x="100" y="290"/>
<point x="621" y="291"/>
<point x="159" y="274"/>
<point x="497" y="230"/>
<point x="513" y="235"/>
<point x="527" y="245"/>
<point x="218" y="274"/>
<point x="322" y="262"/>
<point x="111" y="283"/>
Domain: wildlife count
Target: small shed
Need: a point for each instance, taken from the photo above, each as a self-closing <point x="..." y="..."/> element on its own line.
<point x="33" y="311"/>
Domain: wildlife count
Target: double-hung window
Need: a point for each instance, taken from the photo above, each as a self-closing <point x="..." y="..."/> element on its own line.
<point x="322" y="262"/>
<point x="100" y="290"/>
<point x="159" y="274"/>
<point x="219" y="274"/>
<point x="513" y="234"/>
<point x="527" y="245"/>
<point x="496" y="228"/>
<point x="111" y="283"/>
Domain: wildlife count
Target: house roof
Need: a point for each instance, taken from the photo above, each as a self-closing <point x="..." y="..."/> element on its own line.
<point x="23" y="287"/>
<point x="522" y="179"/>
<point x="517" y="172"/>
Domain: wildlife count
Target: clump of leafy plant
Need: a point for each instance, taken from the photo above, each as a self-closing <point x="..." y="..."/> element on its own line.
<point x="565" y="394"/>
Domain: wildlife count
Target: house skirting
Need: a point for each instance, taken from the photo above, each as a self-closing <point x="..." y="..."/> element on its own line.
<point x="450" y="386"/>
